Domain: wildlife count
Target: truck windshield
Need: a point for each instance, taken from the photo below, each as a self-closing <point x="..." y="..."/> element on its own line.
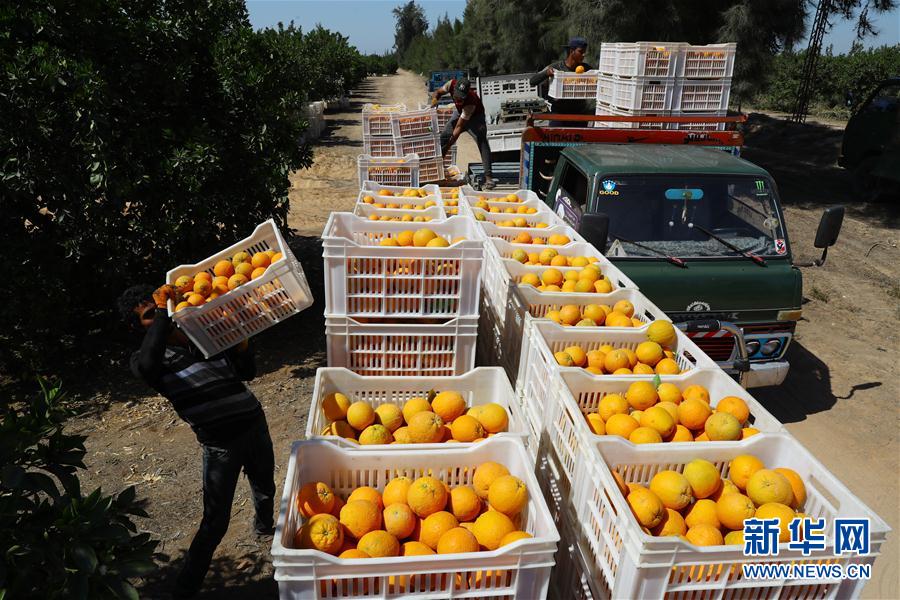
<point x="661" y="211"/>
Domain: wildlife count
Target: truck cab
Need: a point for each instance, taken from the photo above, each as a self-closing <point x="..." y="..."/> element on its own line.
<point x="871" y="144"/>
<point x="702" y="234"/>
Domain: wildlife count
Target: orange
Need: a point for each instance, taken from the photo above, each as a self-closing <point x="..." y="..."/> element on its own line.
<point x="491" y="527"/>
<point x="621" y="425"/>
<point x="196" y="299"/>
<point x="645" y="435"/>
<point x="405" y="238"/>
<point x="514" y="536"/>
<point x="672" y="489"/>
<point x="258" y="272"/>
<point x="603" y="286"/>
<point x="598" y="427"/>
<point x="649" y="353"/>
<point x="359" y="517"/>
<point x="559" y="261"/>
<point x="353" y="553"/>
<point x="375" y="434"/>
<point x="646" y="506"/>
<point x="798" y="488"/>
<point x="240" y="257"/>
<point x="237" y="280"/>
<point x="438" y="242"/>
<point x="667" y="366"/>
<point x="612" y="404"/>
<point x="485" y="474"/>
<point x="594" y="313"/>
<point x="401" y="436"/>
<point x="693" y="414"/>
<point x="360" y="415"/>
<point x="703" y="477"/>
<point x="181" y="305"/>
<point x="202" y="287"/>
<point x="335" y="406"/>
<point x="414" y="548"/>
<point x="702" y="512"/>
<point x="695" y="391"/>
<point x="261" y="260"/>
<point x="742" y="467"/>
<point x="663" y="333"/>
<point x="276" y="257"/>
<point x="422" y="237"/>
<point x="617" y="319"/>
<point x="466" y="429"/>
<point x="395" y="491"/>
<point x="399" y="520"/>
<point x="672" y="409"/>
<point x="367" y="493"/>
<point x="615" y="360"/>
<point x="492" y="417"/>
<point x="530" y="279"/>
<point x="389" y="415"/>
<point x="220" y="285"/>
<point x="625" y="307"/>
<point x="672" y="524"/>
<point x="427" y="496"/>
<point x="569" y="314"/>
<point x="736" y="406"/>
<point x="659" y="419"/>
<point x="732" y="509"/>
<point x="314" y="498"/>
<point x="669" y="392"/>
<point x="464" y="503"/>
<point x="457" y="540"/>
<point x="413" y="406"/>
<point x="785" y="514"/>
<point x="577" y="354"/>
<point x="434" y="526"/>
<point x="321" y="532"/>
<point x="722" y="426"/>
<point x="734" y="538"/>
<point x="766" y="486"/>
<point x="224" y="268"/>
<point x="682" y="434"/>
<point x="425" y="428"/>
<point x="748" y="432"/>
<point x="642" y="369"/>
<point x="245" y="269"/>
<point x="552" y="277"/>
<point x="508" y="494"/>
<point x="641" y="395"/>
<point x="448" y="405"/>
<point x="379" y="544"/>
<point x="704" y="535"/>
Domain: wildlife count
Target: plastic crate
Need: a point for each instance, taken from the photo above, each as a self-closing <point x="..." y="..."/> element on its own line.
<point x="417" y="202"/>
<point x="576" y="86"/>
<point x="431" y="169"/>
<point x="414" y="123"/>
<point x="431" y="191"/>
<point x="471" y="196"/>
<point x="399" y="171"/>
<point x="379" y="147"/>
<point x="609" y="110"/>
<point x="536" y="204"/>
<point x="443" y="112"/>
<point x="408" y="349"/>
<point x="363" y="278"/>
<point x="479" y="386"/>
<point x="544" y="215"/>
<point x="698" y="126"/>
<point x="426" y="146"/>
<point x="698" y="96"/>
<point x="432" y="213"/>
<point x="519" y="570"/>
<point x="376" y="118"/>
<point x="505" y="248"/>
<point x="450" y="162"/>
<point x="636" y="93"/>
<point x="511" y="233"/>
<point x="571" y="578"/>
<point x="640" y="59"/>
<point x="635" y="565"/>
<point x="713" y="61"/>
<point x="579" y="394"/>
<point x="281" y="292"/>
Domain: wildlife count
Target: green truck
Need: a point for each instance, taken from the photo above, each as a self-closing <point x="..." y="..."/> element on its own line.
<point x="700" y="231"/>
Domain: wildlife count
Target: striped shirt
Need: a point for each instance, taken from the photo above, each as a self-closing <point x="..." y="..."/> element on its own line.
<point x="209" y="394"/>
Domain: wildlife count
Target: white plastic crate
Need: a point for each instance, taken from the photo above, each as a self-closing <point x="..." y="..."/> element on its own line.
<point x="431" y="191"/>
<point x="571" y="578"/>
<point x="519" y="570"/>
<point x="640" y="59"/>
<point x="636" y="93"/>
<point x="399" y="201"/>
<point x="505" y="248"/>
<point x="609" y="110"/>
<point x="379" y="147"/>
<point x="632" y="564"/>
<point x="575" y="86"/>
<point x="579" y="394"/>
<point x="443" y="112"/>
<point x="472" y="196"/>
<point x="413" y="348"/>
<point x="431" y="169"/>
<point x="502" y="206"/>
<point x="511" y="233"/>
<point x="698" y="96"/>
<point x="281" y="292"/>
<point x="432" y="213"/>
<point x="363" y="278"/>
<point x="490" y="335"/>
<point x="399" y="171"/>
<point x="544" y="215"/>
<point x="713" y="61"/>
<point x="538" y="369"/>
<point x="479" y="386"/>
<point x="376" y="118"/>
<point x="698" y="126"/>
<point x="450" y="160"/>
<point x="426" y="146"/>
<point x="414" y="123"/>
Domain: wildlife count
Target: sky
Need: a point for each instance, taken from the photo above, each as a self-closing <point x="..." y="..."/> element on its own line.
<point x="370" y="24"/>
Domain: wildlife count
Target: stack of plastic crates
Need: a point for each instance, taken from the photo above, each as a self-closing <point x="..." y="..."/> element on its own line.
<point x="703" y="85"/>
<point x="378" y="136"/>
<point x="391" y="132"/>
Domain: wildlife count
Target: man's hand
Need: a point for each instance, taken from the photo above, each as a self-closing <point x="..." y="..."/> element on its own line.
<point x="445" y="150"/>
<point x="162" y="294"/>
<point x="550" y="72"/>
<point x="434" y="99"/>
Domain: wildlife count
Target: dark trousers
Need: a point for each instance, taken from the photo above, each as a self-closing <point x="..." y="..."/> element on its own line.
<point x="252" y="452"/>
<point x="477" y="128"/>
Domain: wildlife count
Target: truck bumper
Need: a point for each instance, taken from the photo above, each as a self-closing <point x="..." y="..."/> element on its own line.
<point x="765" y="374"/>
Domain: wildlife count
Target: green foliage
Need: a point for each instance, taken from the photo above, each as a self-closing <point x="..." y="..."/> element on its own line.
<point x="136" y="136"/>
<point x="859" y="72"/>
<point x="411" y="22"/>
<point x="57" y="543"/>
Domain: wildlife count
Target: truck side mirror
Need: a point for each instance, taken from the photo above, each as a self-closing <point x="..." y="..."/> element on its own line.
<point x="829" y="227"/>
<point x="594" y="227"/>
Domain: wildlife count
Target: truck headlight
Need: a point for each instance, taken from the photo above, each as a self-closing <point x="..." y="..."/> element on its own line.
<point x="771" y="347"/>
<point x="752" y="347"/>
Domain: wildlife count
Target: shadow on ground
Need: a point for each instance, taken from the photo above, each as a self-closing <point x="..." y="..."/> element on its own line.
<point x="246" y="576"/>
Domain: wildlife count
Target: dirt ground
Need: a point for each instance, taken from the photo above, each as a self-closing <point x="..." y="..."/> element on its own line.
<point x="840" y="399"/>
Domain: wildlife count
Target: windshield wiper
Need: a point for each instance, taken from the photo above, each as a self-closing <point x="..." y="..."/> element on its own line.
<point x="675" y="261"/>
<point x="757" y="259"/>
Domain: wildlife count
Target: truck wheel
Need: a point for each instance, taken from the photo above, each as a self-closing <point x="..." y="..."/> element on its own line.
<point x="867" y="186"/>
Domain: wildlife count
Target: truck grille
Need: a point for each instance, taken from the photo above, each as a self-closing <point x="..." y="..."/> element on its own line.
<point x="719" y="345"/>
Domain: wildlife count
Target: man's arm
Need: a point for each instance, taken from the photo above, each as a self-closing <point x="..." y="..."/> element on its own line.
<point x="153" y="348"/>
<point x="541" y="76"/>
<point x="444" y="89"/>
<point x="242" y="358"/>
<point x="461" y="125"/>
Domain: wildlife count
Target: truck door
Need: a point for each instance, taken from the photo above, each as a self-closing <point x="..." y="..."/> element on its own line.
<point x="870" y="129"/>
<point x="571" y="194"/>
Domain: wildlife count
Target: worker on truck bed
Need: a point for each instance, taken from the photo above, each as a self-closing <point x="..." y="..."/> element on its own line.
<point x="467" y="116"/>
<point x="574" y="62"/>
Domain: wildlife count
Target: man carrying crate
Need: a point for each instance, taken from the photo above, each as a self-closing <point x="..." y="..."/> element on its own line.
<point x="210" y="395"/>
<point x="574" y="62"/>
<point x="467" y="116"/>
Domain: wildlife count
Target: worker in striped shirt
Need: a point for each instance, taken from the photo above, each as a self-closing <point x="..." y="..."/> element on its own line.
<point x="210" y="395"/>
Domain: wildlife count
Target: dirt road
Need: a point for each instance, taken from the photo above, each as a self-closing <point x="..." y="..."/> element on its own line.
<point x="840" y="399"/>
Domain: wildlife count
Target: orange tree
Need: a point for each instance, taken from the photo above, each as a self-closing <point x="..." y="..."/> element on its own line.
<point x="136" y="135"/>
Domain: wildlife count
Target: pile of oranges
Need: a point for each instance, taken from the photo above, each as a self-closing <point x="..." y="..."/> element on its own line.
<point x="548" y="256"/>
<point x="701" y="507"/>
<point x="421" y="238"/>
<point x="556" y="239"/>
<point x="620" y="314"/>
<point x="587" y="280"/>
<point x="654" y="356"/>
<point x="414" y="517"/>
<point x="441" y="417"/>
<point x="649" y="413"/>
<point x="516" y="222"/>
<point x="226" y="275"/>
